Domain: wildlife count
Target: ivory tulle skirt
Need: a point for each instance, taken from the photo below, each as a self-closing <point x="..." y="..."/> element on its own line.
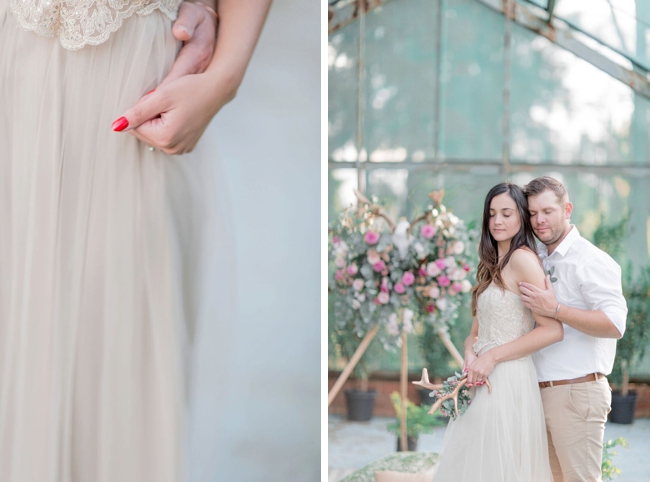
<point x="502" y="436"/>
<point x="105" y="249"/>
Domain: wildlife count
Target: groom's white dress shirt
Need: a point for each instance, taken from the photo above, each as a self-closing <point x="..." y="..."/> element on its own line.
<point x="587" y="278"/>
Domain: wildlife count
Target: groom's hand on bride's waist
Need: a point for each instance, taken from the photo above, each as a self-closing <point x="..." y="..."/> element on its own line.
<point x="537" y="300"/>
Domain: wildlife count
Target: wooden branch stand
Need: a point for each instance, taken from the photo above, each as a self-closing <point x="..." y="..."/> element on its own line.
<point x="403" y="379"/>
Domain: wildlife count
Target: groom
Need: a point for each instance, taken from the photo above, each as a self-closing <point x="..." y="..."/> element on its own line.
<point x="583" y="291"/>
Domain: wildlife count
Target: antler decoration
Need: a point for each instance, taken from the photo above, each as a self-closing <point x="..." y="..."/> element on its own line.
<point x="425" y="383"/>
<point x="436" y="197"/>
<point x="375" y="209"/>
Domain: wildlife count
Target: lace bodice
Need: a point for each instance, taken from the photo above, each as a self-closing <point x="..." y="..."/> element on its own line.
<point x="83" y="22"/>
<point x="502" y="318"/>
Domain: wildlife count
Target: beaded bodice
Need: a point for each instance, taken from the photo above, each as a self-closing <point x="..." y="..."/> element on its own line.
<point x="502" y="318"/>
<point x="83" y="22"/>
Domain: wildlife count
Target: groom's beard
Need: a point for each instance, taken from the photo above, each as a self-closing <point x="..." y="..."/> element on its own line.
<point x="552" y="236"/>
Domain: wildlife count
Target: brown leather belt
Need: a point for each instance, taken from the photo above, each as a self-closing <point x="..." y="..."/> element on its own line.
<point x="592" y="377"/>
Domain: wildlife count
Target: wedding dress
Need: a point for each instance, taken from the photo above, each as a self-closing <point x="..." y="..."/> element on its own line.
<point x="105" y="246"/>
<point x="502" y="435"/>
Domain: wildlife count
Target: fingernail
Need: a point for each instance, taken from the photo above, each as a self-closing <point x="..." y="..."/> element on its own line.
<point x="150" y="92"/>
<point x="184" y="29"/>
<point x="120" y="124"/>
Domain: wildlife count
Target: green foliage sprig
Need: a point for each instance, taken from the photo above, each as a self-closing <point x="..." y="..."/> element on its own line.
<point x="417" y="419"/>
<point x="608" y="469"/>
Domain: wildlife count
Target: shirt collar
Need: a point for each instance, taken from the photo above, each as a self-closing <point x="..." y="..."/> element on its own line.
<point x="564" y="246"/>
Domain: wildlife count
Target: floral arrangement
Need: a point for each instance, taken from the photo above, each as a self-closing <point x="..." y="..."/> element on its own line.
<point x="385" y="274"/>
<point x="450" y="394"/>
<point x="441" y="250"/>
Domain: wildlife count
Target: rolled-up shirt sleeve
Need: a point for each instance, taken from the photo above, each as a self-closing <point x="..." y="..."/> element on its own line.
<point x="600" y="284"/>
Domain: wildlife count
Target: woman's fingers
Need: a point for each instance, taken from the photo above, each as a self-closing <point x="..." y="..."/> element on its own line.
<point x="151" y="106"/>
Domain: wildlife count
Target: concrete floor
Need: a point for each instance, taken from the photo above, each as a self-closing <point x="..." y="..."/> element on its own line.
<point x="353" y="445"/>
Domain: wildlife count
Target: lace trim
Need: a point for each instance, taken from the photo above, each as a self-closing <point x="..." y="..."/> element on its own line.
<point x="83" y="22"/>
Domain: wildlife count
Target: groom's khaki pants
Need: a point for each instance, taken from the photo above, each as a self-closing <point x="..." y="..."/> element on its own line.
<point x="575" y="425"/>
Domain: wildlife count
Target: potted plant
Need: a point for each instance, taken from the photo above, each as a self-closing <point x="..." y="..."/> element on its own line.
<point x="417" y="421"/>
<point x="631" y="348"/>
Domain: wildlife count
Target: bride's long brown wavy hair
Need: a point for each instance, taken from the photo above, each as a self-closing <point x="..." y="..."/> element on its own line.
<point x="489" y="267"/>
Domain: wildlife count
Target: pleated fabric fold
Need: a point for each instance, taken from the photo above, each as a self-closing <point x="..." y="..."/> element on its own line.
<point x="103" y="249"/>
<point x="502" y="435"/>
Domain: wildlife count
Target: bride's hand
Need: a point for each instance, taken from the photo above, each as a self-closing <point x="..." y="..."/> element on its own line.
<point x="470" y="357"/>
<point x="174" y="116"/>
<point x="480" y="369"/>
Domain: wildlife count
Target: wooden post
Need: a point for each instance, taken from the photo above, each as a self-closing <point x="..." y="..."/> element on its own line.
<point x="403" y="388"/>
<point x="351" y="364"/>
<point x="450" y="346"/>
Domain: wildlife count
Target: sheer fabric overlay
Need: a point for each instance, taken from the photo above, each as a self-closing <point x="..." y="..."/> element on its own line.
<point x="502" y="435"/>
<point x="83" y="22"/>
<point x="105" y="249"/>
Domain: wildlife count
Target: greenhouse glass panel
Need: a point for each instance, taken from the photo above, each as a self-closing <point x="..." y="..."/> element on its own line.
<point x="622" y="25"/>
<point x="343" y="56"/>
<point x="564" y="109"/>
<point x="471" y="82"/>
<point x="400" y="76"/>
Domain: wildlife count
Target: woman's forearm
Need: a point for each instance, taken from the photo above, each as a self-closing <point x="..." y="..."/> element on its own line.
<point x="535" y="340"/>
<point x="240" y="25"/>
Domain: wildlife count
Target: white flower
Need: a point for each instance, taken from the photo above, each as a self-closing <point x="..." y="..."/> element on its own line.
<point x="401" y="239"/>
<point x="434" y="292"/>
<point x="433" y="270"/>
<point x="459" y="247"/>
<point x="467" y="286"/>
<point x="453" y="219"/>
<point x="383" y="298"/>
<point x="392" y="327"/>
<point x="450" y="262"/>
<point x="340" y="262"/>
<point x="441" y="304"/>
<point x="407" y="324"/>
<point x="341" y="248"/>
<point x="361" y="297"/>
<point x="458" y="274"/>
<point x="419" y="249"/>
<point x="357" y="284"/>
<point x="355" y="304"/>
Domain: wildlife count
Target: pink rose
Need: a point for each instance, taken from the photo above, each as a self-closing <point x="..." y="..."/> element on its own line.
<point x="379" y="266"/>
<point x="371" y="237"/>
<point x="338" y="275"/>
<point x="440" y="263"/>
<point x="433" y="269"/>
<point x="457" y="287"/>
<point x="373" y="257"/>
<point x="443" y="281"/>
<point x="427" y="231"/>
<point x="399" y="288"/>
<point x="376" y="301"/>
<point x="466" y="267"/>
<point x="384" y="272"/>
<point x="431" y="308"/>
<point x="340" y="263"/>
<point x="422" y="271"/>
<point x="434" y="292"/>
<point x="357" y="284"/>
<point x="352" y="269"/>
<point x="408" y="278"/>
<point x="383" y="298"/>
<point x="335" y="240"/>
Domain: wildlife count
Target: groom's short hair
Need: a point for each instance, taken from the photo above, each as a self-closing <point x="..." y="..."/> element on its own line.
<point x="542" y="184"/>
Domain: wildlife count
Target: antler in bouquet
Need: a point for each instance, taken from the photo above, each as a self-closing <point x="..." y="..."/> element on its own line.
<point x="425" y="383"/>
<point x="375" y="209"/>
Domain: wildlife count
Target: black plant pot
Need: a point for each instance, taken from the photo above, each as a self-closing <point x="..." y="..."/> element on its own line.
<point x="411" y="442"/>
<point x="360" y="404"/>
<point x="623" y="407"/>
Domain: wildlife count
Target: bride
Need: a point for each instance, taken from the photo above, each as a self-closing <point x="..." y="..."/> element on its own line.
<point x="502" y="435"/>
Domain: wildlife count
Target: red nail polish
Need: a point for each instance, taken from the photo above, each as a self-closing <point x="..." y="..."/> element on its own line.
<point x="120" y="124"/>
<point x="150" y="92"/>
